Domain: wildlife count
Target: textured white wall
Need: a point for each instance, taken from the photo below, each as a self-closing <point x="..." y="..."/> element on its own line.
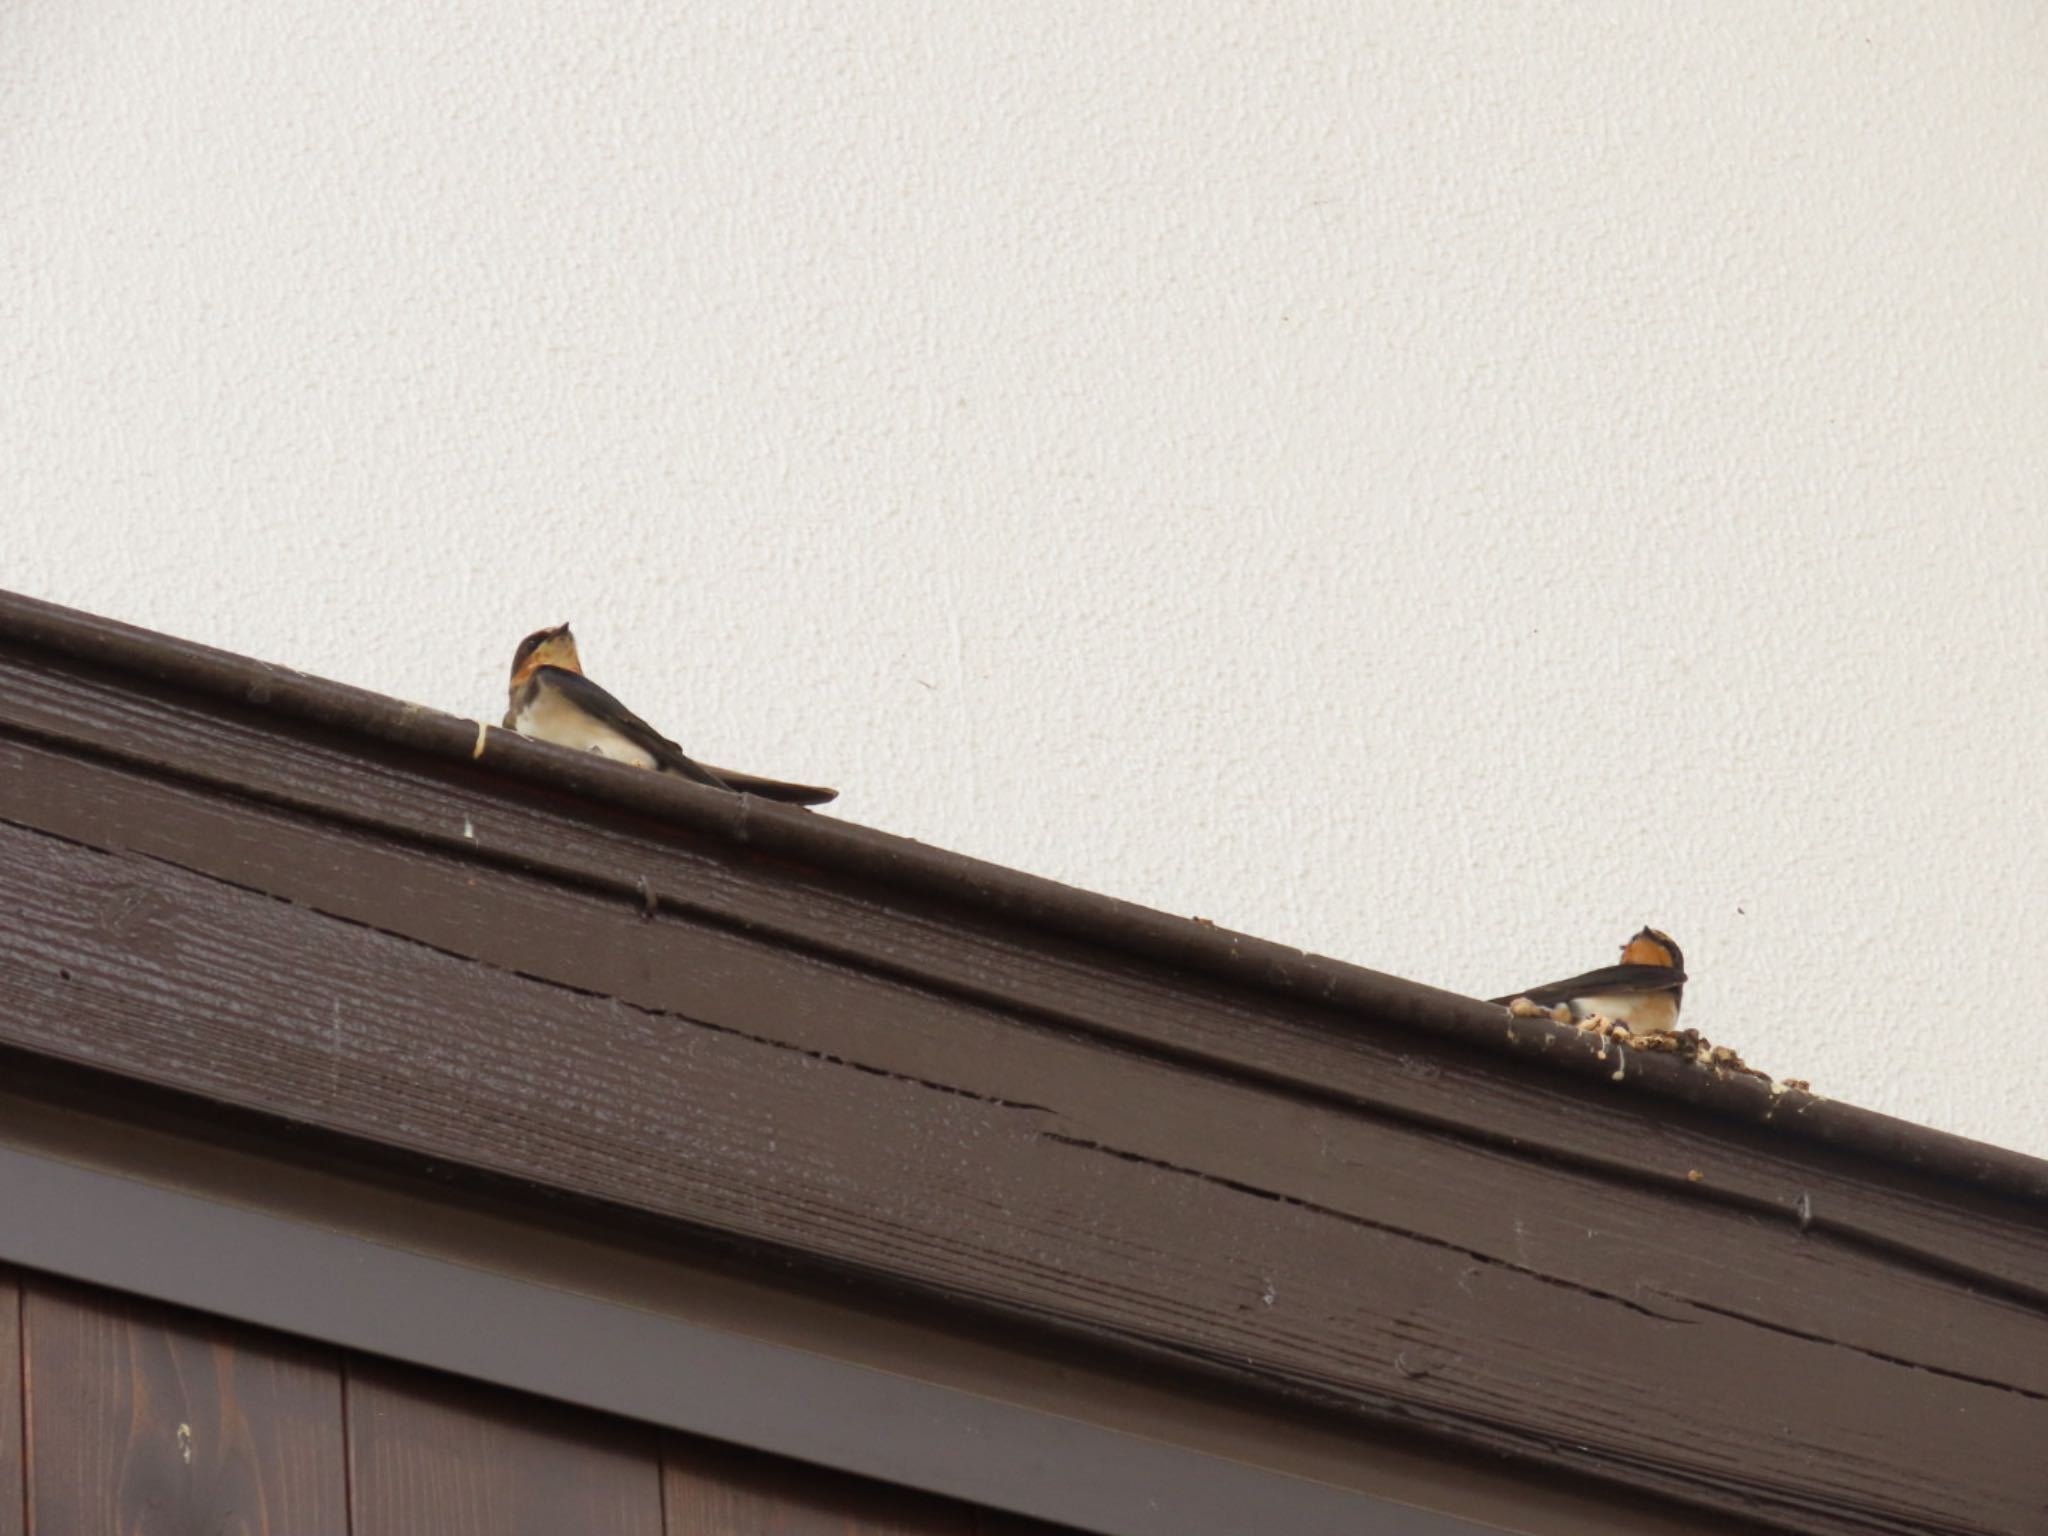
<point x="1441" y="485"/>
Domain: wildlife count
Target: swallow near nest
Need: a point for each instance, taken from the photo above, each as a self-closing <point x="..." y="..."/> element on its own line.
<point x="1643" y="991"/>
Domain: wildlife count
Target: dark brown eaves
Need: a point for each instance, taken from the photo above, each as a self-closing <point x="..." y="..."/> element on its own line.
<point x="828" y="843"/>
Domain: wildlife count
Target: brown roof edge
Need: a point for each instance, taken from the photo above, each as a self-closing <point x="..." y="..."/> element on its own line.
<point x="870" y="854"/>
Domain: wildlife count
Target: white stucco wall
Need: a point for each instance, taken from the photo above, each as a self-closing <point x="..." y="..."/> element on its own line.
<point x="1441" y="485"/>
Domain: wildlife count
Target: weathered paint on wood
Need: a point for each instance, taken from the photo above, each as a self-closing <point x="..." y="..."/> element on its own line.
<point x="145" y="1420"/>
<point x="433" y="1457"/>
<point x="718" y="1490"/>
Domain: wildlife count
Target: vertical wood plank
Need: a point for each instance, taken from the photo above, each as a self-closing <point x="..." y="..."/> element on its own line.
<point x="720" y="1490"/>
<point x="13" y="1471"/>
<point x="142" y="1420"/>
<point x="431" y="1456"/>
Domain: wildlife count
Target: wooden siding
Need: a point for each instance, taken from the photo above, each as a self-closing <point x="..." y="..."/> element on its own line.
<point x="141" y="1421"/>
<point x="149" y="1419"/>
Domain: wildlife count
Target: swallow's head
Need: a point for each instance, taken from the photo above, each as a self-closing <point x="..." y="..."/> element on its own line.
<point x="1649" y="947"/>
<point x="545" y="648"/>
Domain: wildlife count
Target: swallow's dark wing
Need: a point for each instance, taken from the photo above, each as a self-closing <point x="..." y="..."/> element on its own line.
<point x="1612" y="978"/>
<point x="776" y="789"/>
<point x="599" y="704"/>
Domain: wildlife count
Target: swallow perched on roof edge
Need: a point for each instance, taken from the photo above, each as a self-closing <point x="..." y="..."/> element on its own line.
<point x="1643" y="991"/>
<point x="551" y="700"/>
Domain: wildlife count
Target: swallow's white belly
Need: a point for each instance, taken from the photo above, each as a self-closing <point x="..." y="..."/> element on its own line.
<point x="1646" y="1012"/>
<point x="550" y="717"/>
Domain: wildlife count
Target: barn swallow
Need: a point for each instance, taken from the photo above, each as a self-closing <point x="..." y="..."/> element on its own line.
<point x="551" y="700"/>
<point x="1642" y="992"/>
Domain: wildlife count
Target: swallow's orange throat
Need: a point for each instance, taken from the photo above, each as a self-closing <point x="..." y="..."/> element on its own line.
<point x="545" y="648"/>
<point x="1649" y="948"/>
